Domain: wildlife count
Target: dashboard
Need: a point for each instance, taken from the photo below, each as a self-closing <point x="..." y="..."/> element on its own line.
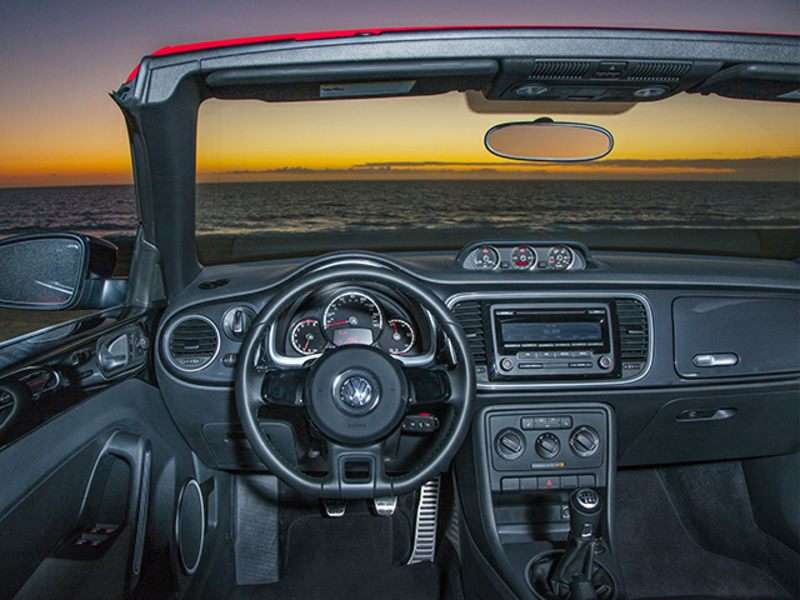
<point x="664" y="340"/>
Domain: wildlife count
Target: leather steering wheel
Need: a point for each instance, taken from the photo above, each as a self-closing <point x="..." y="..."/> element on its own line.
<point x="356" y="396"/>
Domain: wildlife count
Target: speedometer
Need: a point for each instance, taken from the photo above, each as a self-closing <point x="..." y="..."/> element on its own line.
<point x="352" y="318"/>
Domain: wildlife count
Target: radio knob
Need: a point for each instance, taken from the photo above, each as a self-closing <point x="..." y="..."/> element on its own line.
<point x="584" y="441"/>
<point x="506" y="364"/>
<point x="510" y="444"/>
<point x="548" y="445"/>
<point x="605" y="362"/>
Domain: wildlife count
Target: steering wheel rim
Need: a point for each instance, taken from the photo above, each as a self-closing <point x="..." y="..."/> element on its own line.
<point x="248" y="392"/>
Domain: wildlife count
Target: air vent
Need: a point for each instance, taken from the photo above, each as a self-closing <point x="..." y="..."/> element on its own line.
<point x="192" y="343"/>
<point x="470" y="315"/>
<point x="658" y="71"/>
<point x="559" y="69"/>
<point x="633" y="333"/>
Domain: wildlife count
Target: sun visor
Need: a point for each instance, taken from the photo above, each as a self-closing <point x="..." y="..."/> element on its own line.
<point x="779" y="83"/>
<point x="353" y="80"/>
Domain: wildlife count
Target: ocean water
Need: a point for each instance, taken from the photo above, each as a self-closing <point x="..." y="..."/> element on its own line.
<point x="342" y="206"/>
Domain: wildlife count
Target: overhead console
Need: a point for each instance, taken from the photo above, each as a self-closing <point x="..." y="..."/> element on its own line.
<point x="603" y="80"/>
<point x="521" y="341"/>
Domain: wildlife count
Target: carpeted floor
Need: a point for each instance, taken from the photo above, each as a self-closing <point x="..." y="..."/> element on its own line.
<point x="664" y="555"/>
<point x="349" y="558"/>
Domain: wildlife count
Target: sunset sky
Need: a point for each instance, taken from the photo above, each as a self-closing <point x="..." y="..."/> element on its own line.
<point x="58" y="61"/>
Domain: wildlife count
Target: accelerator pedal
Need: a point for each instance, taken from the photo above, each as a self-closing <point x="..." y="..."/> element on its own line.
<point x="425" y="526"/>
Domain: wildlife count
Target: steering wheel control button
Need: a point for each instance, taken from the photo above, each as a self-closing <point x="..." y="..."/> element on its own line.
<point x="548" y="446"/>
<point x="584" y="441"/>
<point x="420" y="424"/>
<point x="510" y="444"/>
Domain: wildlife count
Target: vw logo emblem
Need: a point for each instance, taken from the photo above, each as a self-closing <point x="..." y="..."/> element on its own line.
<point x="357" y="394"/>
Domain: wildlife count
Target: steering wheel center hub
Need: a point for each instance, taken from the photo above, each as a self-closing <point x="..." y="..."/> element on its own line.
<point x="356" y="394"/>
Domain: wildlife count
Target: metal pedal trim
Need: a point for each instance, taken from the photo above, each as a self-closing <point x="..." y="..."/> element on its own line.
<point x="426" y="523"/>
<point x="385" y="507"/>
<point x="334" y="508"/>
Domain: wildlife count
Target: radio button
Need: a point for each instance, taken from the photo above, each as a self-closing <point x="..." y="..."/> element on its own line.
<point x="580" y="365"/>
<point x="527" y="423"/>
<point x="605" y="362"/>
<point x="531" y="366"/>
<point x="507" y="364"/>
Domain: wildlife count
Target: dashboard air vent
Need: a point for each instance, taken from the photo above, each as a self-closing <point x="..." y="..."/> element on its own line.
<point x="633" y="333"/>
<point x="192" y="343"/>
<point x="470" y="315"/>
<point x="559" y="69"/>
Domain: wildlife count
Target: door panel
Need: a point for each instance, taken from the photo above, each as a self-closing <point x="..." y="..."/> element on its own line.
<point x="84" y="438"/>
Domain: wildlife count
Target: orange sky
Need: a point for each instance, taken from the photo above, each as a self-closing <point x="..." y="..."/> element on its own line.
<point x="250" y="140"/>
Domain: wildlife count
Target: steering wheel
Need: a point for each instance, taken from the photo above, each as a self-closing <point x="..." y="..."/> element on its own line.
<point x="356" y="396"/>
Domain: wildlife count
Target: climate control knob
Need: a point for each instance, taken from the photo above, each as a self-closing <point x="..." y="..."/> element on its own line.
<point x="548" y="445"/>
<point x="584" y="441"/>
<point x="510" y="444"/>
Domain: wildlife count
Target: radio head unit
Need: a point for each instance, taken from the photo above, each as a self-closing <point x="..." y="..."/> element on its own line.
<point x="553" y="341"/>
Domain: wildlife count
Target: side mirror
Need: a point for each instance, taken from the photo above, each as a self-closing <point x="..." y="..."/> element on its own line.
<point x="58" y="271"/>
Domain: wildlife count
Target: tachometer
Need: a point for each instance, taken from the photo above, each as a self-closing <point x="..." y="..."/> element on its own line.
<point x="352" y="318"/>
<point x="307" y="338"/>
<point x="400" y="337"/>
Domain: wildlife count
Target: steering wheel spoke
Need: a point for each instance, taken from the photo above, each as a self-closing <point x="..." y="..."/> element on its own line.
<point x="356" y="471"/>
<point x="431" y="386"/>
<point x="284" y="387"/>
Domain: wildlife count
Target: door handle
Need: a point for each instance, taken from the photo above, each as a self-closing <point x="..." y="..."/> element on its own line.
<point x="723" y="359"/>
<point x="712" y="414"/>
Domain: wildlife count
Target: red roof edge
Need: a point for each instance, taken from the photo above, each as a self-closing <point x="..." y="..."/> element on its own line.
<point x="345" y="33"/>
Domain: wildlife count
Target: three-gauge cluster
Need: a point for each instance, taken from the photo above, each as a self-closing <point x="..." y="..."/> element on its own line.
<point x="522" y="257"/>
<point x="354" y="317"/>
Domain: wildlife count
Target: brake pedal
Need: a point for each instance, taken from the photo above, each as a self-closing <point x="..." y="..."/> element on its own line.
<point x="334" y="508"/>
<point x="385" y="507"/>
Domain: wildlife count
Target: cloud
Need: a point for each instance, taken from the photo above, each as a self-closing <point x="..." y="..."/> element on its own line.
<point x="768" y="168"/>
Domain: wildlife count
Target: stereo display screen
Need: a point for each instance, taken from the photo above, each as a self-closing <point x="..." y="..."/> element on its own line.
<point x="544" y="332"/>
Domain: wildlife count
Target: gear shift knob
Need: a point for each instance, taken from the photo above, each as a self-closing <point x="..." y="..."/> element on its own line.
<point x="585" y="513"/>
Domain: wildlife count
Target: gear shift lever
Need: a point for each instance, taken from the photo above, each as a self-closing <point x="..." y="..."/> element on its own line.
<point x="574" y="571"/>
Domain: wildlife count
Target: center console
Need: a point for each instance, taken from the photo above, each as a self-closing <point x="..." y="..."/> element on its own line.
<point x="540" y="462"/>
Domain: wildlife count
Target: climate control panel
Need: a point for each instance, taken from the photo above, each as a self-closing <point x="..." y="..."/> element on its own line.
<point x="544" y="449"/>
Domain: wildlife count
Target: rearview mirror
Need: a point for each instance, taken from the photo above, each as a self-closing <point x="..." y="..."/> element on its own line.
<point x="545" y="140"/>
<point x="58" y="271"/>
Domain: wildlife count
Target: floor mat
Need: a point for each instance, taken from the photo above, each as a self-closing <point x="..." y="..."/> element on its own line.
<point x="348" y="558"/>
<point x="660" y="559"/>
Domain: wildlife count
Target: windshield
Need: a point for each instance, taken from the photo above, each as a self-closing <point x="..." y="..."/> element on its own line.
<point x="687" y="174"/>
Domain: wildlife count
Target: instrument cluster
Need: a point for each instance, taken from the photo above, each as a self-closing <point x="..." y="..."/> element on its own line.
<point x="355" y="315"/>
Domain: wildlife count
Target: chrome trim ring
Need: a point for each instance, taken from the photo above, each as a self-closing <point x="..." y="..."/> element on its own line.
<point x="190" y="569"/>
<point x="171" y="329"/>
